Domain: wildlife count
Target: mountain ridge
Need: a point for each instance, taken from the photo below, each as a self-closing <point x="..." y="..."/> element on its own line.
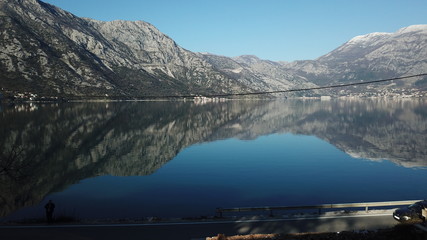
<point x="371" y="57"/>
<point x="49" y="51"/>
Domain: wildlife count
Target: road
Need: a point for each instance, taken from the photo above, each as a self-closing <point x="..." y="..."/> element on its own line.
<point x="196" y="230"/>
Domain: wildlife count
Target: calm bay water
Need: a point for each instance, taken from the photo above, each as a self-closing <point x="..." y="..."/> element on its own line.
<point x="180" y="159"/>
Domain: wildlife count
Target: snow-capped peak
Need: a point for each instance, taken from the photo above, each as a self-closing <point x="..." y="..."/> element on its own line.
<point x="413" y="28"/>
<point x="368" y="37"/>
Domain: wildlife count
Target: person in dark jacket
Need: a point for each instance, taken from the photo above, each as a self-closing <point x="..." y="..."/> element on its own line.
<point x="50" y="207"/>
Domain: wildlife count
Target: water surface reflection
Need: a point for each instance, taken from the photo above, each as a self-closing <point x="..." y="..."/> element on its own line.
<point x="54" y="146"/>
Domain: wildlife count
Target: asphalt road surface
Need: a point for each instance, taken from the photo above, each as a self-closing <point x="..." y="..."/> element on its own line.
<point x="196" y="230"/>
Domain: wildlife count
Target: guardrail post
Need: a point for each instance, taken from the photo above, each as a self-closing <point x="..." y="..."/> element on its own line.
<point x="219" y="211"/>
<point x="366" y="209"/>
<point x="271" y="212"/>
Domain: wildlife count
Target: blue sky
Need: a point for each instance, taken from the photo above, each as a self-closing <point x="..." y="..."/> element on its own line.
<point x="279" y="30"/>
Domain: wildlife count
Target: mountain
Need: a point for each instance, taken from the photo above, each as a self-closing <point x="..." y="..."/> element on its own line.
<point x="371" y="57"/>
<point x="48" y="51"/>
<point x="261" y="75"/>
<point x="38" y="56"/>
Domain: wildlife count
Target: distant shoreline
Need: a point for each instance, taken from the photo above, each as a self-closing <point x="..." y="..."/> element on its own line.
<point x="195" y="99"/>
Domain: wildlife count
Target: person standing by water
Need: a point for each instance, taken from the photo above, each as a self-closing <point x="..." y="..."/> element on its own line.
<point x="50" y="207"/>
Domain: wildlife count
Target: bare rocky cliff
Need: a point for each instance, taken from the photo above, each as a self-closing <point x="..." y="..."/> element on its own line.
<point x="49" y="51"/>
<point x="37" y="56"/>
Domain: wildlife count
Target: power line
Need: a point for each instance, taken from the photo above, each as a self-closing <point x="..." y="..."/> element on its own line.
<point x="262" y="93"/>
<point x="314" y="88"/>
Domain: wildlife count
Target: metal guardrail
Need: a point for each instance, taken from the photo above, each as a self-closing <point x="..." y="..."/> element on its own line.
<point x="365" y="205"/>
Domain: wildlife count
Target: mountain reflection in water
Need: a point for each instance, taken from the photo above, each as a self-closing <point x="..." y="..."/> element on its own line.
<point x="59" y="145"/>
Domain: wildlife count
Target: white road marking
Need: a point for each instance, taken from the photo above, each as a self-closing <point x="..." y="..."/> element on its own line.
<point x="195" y="223"/>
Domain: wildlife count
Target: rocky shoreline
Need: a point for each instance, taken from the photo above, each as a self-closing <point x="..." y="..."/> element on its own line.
<point x="399" y="232"/>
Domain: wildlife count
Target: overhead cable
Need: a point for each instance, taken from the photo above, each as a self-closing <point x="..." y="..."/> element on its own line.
<point x="315" y="88"/>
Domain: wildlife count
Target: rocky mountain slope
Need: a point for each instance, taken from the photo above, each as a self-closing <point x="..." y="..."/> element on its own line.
<point x="261" y="75"/>
<point x="48" y="51"/>
<point x="371" y="57"/>
<point x="36" y="55"/>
